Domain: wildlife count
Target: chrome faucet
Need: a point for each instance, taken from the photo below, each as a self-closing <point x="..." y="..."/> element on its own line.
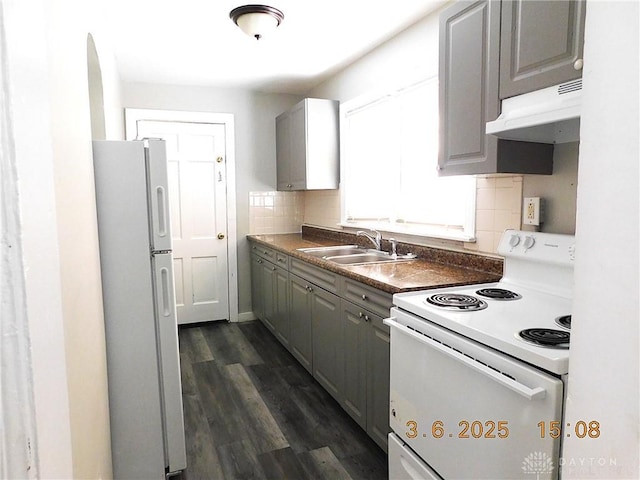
<point x="375" y="237"/>
<point x="394" y="246"/>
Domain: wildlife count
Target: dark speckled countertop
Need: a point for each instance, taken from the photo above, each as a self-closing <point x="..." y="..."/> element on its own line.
<point x="434" y="268"/>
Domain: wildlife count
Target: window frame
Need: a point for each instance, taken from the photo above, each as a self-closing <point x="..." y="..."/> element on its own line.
<point x="468" y="231"/>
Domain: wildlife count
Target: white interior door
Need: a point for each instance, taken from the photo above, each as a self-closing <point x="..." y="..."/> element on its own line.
<point x="196" y="154"/>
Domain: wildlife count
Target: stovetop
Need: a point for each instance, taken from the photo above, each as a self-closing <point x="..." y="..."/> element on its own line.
<point x="498" y="325"/>
<point x="539" y="271"/>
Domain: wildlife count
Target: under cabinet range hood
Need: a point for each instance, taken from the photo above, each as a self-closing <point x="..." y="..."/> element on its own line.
<point x="550" y="115"/>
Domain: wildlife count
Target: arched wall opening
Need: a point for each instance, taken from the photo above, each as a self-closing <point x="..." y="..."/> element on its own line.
<point x="96" y="96"/>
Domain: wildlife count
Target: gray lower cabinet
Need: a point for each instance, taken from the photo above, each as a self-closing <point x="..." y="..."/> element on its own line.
<point x="257" y="293"/>
<point x="366" y="370"/>
<point x="300" y="339"/>
<point x="468" y="97"/>
<point x="281" y="304"/>
<point x="378" y="346"/>
<point x="328" y="345"/>
<point x="541" y="44"/>
<point x="333" y="326"/>
<point x="270" y="295"/>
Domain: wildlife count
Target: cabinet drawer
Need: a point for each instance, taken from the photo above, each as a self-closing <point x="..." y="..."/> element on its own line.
<point x="265" y="252"/>
<point x="367" y="297"/>
<point x="318" y="276"/>
<point x="282" y="260"/>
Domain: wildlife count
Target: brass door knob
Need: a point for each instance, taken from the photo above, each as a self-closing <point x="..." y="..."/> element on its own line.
<point x="221" y="236"/>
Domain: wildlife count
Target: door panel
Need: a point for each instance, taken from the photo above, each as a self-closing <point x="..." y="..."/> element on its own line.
<point x="197" y="202"/>
<point x="166" y="330"/>
<point x="300" y="321"/>
<point x="540" y="41"/>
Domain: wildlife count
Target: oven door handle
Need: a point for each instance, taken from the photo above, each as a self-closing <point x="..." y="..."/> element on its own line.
<point x="529" y="393"/>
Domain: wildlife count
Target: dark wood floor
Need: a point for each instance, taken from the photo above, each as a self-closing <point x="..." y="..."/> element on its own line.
<point x="251" y="411"/>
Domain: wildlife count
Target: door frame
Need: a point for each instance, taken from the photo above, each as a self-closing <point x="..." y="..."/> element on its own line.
<point x="132" y="115"/>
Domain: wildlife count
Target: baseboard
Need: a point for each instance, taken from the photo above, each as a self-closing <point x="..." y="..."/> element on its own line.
<point x="246" y="316"/>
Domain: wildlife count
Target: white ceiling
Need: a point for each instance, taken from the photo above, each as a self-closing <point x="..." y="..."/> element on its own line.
<point x="193" y="42"/>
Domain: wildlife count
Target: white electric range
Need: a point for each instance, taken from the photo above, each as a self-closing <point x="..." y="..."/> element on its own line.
<point x="478" y="372"/>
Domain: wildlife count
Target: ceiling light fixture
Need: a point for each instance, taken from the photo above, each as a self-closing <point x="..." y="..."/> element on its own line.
<point x="256" y="20"/>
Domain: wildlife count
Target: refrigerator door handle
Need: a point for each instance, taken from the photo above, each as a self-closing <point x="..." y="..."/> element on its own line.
<point x="158" y="178"/>
<point x="165" y="285"/>
<point x="163" y="221"/>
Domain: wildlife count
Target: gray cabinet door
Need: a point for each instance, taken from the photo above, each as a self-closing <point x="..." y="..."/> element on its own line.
<point x="291" y="149"/>
<point x="354" y="333"/>
<point x="540" y="43"/>
<point x="307" y="146"/>
<point x="256" y="286"/>
<point x="283" y="149"/>
<point x="468" y="97"/>
<point x="378" y="342"/>
<point x="267" y="292"/>
<point x="328" y="357"/>
<point x="299" y="160"/>
<point x="281" y="305"/>
<point x="300" y="321"/>
<point x="468" y="76"/>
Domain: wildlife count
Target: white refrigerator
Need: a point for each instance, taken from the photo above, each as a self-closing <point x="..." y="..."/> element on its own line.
<point x="143" y="366"/>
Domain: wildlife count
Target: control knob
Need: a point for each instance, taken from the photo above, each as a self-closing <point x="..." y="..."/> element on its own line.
<point x="529" y="242"/>
<point x="514" y="240"/>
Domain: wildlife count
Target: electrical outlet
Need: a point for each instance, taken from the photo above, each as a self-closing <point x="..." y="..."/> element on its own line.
<point x="533" y="211"/>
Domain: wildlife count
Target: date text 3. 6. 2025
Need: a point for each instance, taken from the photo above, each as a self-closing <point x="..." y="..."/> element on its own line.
<point x="465" y="429"/>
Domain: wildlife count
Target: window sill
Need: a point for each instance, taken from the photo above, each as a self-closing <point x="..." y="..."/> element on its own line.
<point x="441" y="233"/>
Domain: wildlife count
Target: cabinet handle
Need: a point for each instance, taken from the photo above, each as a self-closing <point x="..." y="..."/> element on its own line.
<point x="273" y="268"/>
<point x="266" y="252"/>
<point x="281" y="260"/>
<point x="364" y="297"/>
<point x="259" y="260"/>
<point x="578" y="64"/>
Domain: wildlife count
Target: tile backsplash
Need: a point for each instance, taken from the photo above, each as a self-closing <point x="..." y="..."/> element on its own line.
<point x="276" y="212"/>
<point x="498" y="208"/>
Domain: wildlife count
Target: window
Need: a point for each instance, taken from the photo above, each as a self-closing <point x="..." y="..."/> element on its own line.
<point x="389" y="160"/>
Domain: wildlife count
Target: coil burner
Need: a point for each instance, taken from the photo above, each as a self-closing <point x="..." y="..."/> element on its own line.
<point x="498" y="294"/>
<point x="546" y="337"/>
<point x="564" y="321"/>
<point x="456" y="301"/>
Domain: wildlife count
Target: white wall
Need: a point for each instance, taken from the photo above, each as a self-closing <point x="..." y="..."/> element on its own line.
<point x="254" y="117"/>
<point x="32" y="205"/>
<point x="50" y="101"/>
<point x="558" y="190"/>
<point x="604" y="364"/>
<point x="68" y="24"/>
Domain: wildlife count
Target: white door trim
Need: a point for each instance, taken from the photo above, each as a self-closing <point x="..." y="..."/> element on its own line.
<point x="132" y="115"/>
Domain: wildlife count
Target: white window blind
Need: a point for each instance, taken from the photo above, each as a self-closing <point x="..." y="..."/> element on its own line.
<point x="390" y="154"/>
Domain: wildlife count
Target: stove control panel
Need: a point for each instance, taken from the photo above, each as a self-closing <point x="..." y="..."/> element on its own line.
<point x="538" y="247"/>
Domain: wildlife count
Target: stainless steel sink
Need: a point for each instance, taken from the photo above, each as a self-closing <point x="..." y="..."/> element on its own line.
<point x="338" y="250"/>
<point x="353" y="255"/>
<point x="356" y="258"/>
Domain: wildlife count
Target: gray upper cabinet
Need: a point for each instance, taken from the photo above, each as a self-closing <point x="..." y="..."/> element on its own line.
<point x="307" y="146"/>
<point x="468" y="83"/>
<point x="541" y="44"/>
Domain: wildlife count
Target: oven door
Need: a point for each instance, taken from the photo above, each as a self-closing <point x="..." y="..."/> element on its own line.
<point x="468" y="411"/>
<point x="404" y="464"/>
